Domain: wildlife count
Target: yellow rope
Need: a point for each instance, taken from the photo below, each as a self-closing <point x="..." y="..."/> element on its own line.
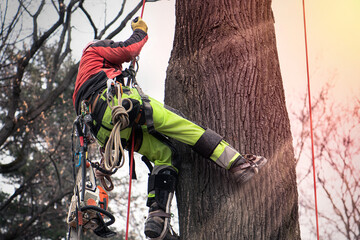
<point x="120" y="119"/>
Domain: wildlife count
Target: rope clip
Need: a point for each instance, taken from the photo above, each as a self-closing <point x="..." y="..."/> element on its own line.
<point x="110" y="84"/>
<point x="84" y="107"/>
<point x="113" y="88"/>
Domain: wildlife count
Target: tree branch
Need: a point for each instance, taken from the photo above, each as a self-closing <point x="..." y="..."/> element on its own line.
<point x="35" y="16"/>
<point x="10" y="28"/>
<point x="89" y="18"/>
<point x="47" y="101"/>
<point x="23" y="186"/>
<point x="10" y="121"/>
<point x="126" y="19"/>
<point x="27" y="223"/>
<point x="113" y="21"/>
<point x="20" y="159"/>
<point x="57" y="60"/>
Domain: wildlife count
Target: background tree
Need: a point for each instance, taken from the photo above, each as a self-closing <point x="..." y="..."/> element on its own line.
<point x="36" y="80"/>
<point x="224" y="74"/>
<point x="44" y="178"/>
<point x="336" y="134"/>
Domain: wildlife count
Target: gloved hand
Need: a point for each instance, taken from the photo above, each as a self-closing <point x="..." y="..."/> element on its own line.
<point x="138" y="23"/>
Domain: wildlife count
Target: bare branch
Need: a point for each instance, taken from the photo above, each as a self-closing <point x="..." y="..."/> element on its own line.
<point x="57" y="60"/>
<point x="123" y="23"/>
<point x="47" y="100"/>
<point x="89" y="18"/>
<point x="335" y="147"/>
<point x="23" y="186"/>
<point x="35" y="25"/>
<point x="9" y="28"/>
<point x="113" y="21"/>
<point x="27" y="223"/>
<point x="10" y="120"/>
<point x="25" y="7"/>
<point x="19" y="161"/>
<point x="36" y="45"/>
<point x="7" y="78"/>
<point x="54" y="5"/>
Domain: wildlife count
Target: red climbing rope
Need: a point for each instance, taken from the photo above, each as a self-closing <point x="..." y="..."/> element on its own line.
<point x="142" y="10"/>
<point x="130" y="181"/>
<point x="311" y="124"/>
<point x="131" y="161"/>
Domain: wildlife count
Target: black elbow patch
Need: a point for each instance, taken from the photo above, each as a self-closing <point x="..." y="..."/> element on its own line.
<point x="207" y="143"/>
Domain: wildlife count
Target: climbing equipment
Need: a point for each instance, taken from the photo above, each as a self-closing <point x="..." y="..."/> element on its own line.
<point x="130" y="183"/>
<point x="161" y="188"/>
<point x="157" y="225"/>
<point x="88" y="208"/>
<point x="165" y="183"/>
<point x="142" y="9"/>
<point x="120" y="119"/>
<point x="130" y="74"/>
<point x="311" y="122"/>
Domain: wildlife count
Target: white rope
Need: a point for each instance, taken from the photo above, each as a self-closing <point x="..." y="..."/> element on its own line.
<point x="120" y="119"/>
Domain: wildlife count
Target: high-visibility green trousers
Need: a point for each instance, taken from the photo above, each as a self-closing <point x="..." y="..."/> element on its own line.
<point x="204" y="141"/>
<point x="171" y="125"/>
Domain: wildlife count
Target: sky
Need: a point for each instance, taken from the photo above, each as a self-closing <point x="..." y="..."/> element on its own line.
<point x="333" y="32"/>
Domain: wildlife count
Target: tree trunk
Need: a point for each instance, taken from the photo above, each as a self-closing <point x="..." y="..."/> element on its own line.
<point x="224" y="74"/>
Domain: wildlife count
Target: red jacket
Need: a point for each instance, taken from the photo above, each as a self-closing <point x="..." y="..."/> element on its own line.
<point x="104" y="58"/>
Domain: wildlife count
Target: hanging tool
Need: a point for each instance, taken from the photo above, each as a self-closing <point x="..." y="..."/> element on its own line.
<point x="88" y="208"/>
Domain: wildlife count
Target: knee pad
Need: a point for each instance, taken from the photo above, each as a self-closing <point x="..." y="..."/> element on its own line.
<point x="207" y="143"/>
<point x="161" y="183"/>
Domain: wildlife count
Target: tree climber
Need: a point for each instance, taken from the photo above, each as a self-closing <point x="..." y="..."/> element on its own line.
<point x="102" y="60"/>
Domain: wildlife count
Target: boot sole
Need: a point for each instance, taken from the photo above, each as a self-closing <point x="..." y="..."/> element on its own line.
<point x="153" y="230"/>
<point x="250" y="172"/>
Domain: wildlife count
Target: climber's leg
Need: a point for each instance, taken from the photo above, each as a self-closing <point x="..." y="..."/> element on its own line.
<point x="162" y="181"/>
<point x="206" y="142"/>
<point x="161" y="185"/>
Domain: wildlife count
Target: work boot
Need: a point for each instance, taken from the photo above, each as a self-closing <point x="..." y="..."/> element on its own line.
<point x="246" y="166"/>
<point x="154" y="224"/>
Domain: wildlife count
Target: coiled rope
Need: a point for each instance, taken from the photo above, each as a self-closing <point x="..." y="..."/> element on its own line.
<point x="120" y="119"/>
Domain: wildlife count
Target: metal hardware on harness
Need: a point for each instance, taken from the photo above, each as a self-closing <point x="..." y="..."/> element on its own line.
<point x="167" y="231"/>
<point x="120" y="119"/>
<point x="112" y="86"/>
<point x="88" y="207"/>
<point x="84" y="107"/>
<point x="130" y="73"/>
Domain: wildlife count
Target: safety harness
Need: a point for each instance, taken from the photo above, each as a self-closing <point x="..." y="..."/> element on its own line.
<point x="166" y="182"/>
<point x="88" y="209"/>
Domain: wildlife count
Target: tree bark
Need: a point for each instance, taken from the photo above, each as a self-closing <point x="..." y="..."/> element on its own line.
<point x="224" y="74"/>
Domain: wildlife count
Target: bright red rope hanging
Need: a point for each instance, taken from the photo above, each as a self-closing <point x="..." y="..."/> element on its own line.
<point x="311" y="125"/>
<point x="142" y="10"/>
<point x="130" y="181"/>
<point x="131" y="162"/>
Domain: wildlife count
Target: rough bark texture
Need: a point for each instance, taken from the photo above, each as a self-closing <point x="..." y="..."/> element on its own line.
<point x="224" y="74"/>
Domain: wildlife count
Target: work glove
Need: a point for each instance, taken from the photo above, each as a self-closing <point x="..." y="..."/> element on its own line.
<point x="138" y="23"/>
